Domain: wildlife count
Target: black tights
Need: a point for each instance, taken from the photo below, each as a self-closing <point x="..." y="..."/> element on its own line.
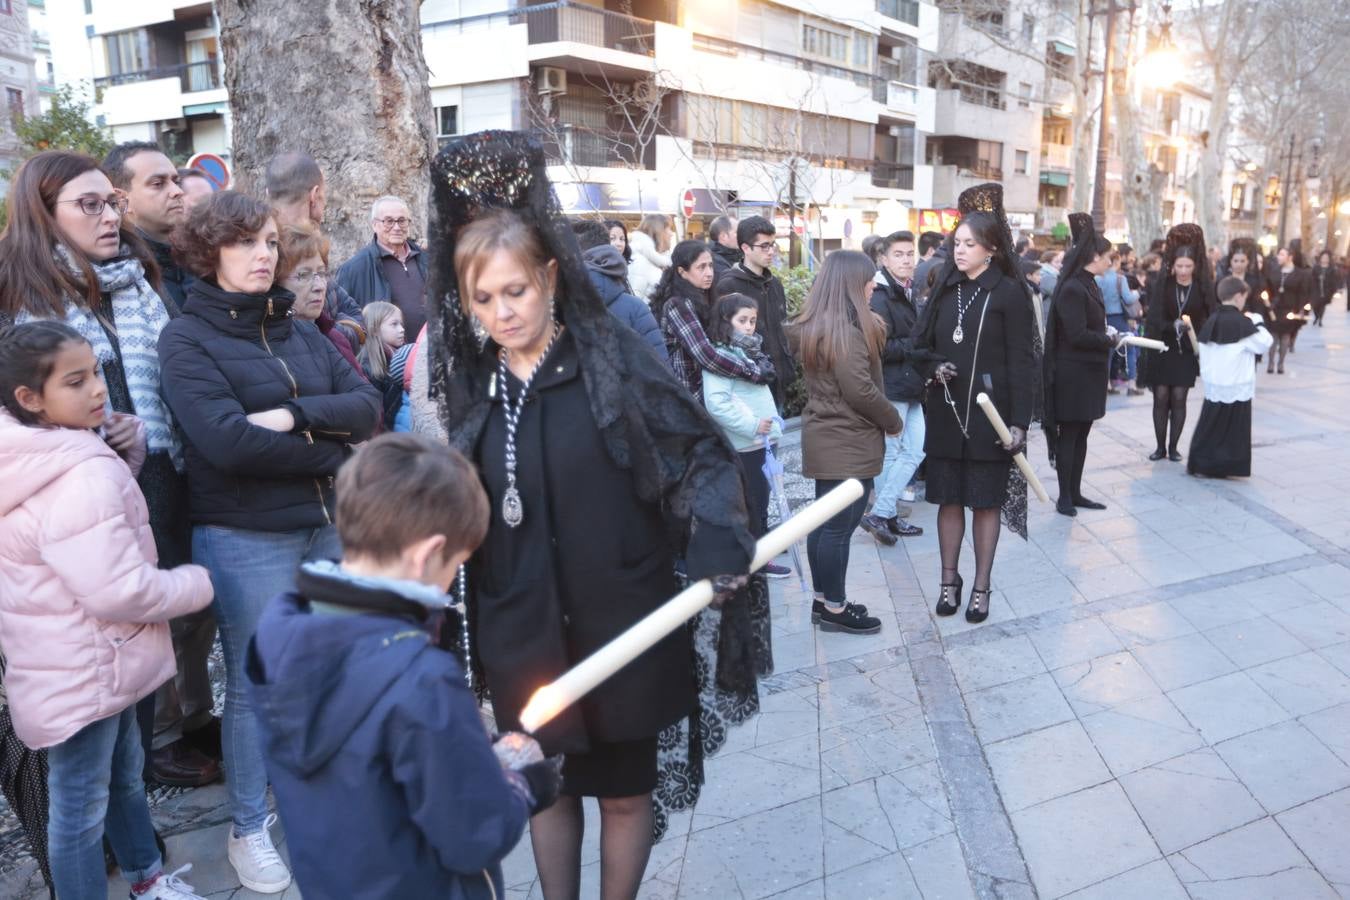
<point x="1284" y="343"/>
<point x="1169" y="404"/>
<point x="1071" y="453"/>
<point x="626" y="828"/>
<point x="952" y="530"/>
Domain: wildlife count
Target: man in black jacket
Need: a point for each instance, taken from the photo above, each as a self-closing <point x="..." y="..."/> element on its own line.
<point x="904" y="387"/>
<point x="722" y="243"/>
<point x="155" y="207"/>
<point x="754" y="278"/>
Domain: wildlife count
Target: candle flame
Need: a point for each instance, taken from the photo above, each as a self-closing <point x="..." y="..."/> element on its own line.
<point x="544" y="705"/>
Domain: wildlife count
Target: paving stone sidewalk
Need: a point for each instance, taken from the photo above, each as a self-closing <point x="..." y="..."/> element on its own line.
<point x="1158" y="705"/>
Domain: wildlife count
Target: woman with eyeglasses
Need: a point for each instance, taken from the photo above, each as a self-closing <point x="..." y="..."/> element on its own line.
<point x="68" y="255"/>
<point x="303" y="270"/>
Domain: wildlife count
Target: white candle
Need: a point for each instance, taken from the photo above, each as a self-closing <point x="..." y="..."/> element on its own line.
<point x="1190" y="333"/>
<point x="1147" y="343"/>
<point x="553" y="698"/>
<point x="1006" y="436"/>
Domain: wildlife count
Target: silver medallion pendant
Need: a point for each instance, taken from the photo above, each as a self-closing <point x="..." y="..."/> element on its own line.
<point x="958" y="335"/>
<point x="513" y="513"/>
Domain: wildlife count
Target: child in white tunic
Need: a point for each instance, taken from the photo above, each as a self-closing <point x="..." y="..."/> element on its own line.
<point x="1230" y="342"/>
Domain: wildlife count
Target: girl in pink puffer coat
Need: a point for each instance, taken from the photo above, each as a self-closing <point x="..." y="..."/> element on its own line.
<point x="84" y="611"/>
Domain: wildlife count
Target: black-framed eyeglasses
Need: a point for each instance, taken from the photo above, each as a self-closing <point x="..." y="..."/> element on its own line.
<point x="764" y="246"/>
<point x="93" y="206"/>
<point x="390" y="222"/>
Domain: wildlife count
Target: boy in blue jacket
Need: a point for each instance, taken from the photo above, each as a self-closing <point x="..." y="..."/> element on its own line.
<point x="386" y="780"/>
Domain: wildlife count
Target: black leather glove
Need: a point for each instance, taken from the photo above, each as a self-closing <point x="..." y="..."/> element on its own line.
<point x="545" y="781"/>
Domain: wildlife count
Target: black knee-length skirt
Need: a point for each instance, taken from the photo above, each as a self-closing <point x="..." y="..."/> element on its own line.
<point x="972" y="483"/>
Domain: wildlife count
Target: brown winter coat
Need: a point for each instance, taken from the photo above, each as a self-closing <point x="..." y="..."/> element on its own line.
<point x="847" y="415"/>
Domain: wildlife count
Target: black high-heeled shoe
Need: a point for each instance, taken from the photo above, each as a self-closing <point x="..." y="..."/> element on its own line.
<point x="1158" y="454"/>
<point x="977" y="612"/>
<point x="947" y="592"/>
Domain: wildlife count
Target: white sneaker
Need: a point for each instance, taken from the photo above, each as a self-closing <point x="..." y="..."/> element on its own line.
<point x="257" y="862"/>
<point x="168" y="886"/>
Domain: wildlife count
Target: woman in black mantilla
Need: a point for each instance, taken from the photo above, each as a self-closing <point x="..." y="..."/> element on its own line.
<point x="1078" y="345"/>
<point x="981" y="321"/>
<point x="1182" y="288"/>
<point x="599" y="467"/>
<point x="1290" y="288"/>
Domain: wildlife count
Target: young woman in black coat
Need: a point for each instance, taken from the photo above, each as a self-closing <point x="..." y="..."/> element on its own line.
<point x="1290" y="287"/>
<point x="1326" y="281"/>
<point x="1182" y="288"/>
<point x="980" y="320"/>
<point x="1078" y="359"/>
<point x="268" y="410"/>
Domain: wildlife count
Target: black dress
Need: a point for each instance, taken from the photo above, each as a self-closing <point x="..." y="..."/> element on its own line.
<point x="967" y="464"/>
<point x="1080" y="351"/>
<point x="1289" y="293"/>
<point x="1168" y="302"/>
<point x="589" y="559"/>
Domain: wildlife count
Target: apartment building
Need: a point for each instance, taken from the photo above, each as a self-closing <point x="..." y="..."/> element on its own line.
<point x="43" y="68"/>
<point x="17" y="77"/>
<point x="694" y="110"/>
<point x="156" y="71"/>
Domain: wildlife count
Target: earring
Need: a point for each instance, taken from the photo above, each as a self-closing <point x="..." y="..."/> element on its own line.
<point x="552" y="310"/>
<point x="989" y="260"/>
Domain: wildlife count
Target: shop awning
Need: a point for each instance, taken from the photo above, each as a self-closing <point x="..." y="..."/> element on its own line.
<point x="1066" y="49"/>
<point x="1059" y="179"/>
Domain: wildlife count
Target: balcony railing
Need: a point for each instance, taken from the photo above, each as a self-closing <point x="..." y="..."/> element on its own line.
<point x="904" y="10"/>
<point x="893" y="175"/>
<point x="198" y="76"/>
<point x="732" y="48"/>
<point x="569" y="145"/>
<point x="1056" y="156"/>
<point x="581" y="23"/>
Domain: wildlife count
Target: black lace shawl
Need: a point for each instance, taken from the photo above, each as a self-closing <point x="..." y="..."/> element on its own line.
<point x="650" y="424"/>
<point x="988" y="198"/>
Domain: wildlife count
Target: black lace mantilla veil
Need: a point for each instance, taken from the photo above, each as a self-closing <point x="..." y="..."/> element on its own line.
<point x="650" y="425"/>
<point x="1082" y="251"/>
<point x="988" y="198"/>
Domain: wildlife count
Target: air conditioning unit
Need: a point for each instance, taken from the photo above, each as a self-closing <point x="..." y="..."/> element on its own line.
<point x="550" y="80"/>
<point x="173" y="125"/>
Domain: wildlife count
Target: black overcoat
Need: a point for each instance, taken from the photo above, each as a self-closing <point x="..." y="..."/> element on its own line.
<point x="1289" y="293"/>
<point x="1006" y="353"/>
<point x="1179" y="366"/>
<point x="589" y="559"/>
<point x="1081" y="350"/>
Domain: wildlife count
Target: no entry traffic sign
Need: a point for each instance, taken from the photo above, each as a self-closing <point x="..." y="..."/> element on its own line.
<point x="213" y="167"/>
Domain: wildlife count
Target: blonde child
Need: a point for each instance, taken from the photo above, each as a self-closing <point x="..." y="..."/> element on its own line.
<point x="385" y="354"/>
<point x="84" y="610"/>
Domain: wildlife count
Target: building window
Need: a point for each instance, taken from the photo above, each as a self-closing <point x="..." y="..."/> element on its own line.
<point x="1029" y="29"/>
<point x="447" y="121"/>
<point x="1024" y="95"/>
<point x="128" y="51"/>
<point x="862" y="51"/>
<point x="88" y="7"/>
<point x="1020" y="162"/>
<point x="828" y="44"/>
<point x="6" y="6"/>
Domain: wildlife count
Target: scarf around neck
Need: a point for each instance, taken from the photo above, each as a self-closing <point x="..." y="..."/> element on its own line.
<point x="138" y="316"/>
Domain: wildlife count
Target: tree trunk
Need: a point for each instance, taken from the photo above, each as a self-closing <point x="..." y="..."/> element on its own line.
<point x="343" y="80"/>
<point x="1141" y="182"/>
<point x="1084" y="151"/>
<point x="1209" y="174"/>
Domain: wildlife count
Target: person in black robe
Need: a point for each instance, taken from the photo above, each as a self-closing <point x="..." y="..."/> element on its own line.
<point x="1326" y="281"/>
<point x="601" y="469"/>
<point x="1230" y="342"/>
<point x="1078" y="345"/>
<point x="1182" y="288"/>
<point x="980" y="328"/>
<point x="1289" y="285"/>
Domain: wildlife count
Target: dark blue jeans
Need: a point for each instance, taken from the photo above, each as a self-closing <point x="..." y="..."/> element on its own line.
<point x="94" y="777"/>
<point x="827" y="546"/>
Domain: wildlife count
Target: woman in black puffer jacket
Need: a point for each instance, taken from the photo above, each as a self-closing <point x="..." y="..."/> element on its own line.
<point x="268" y="410"/>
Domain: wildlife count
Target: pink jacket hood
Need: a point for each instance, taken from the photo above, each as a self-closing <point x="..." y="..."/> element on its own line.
<point x="83" y="607"/>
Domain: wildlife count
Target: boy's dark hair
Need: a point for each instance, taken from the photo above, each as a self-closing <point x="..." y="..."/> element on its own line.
<point x="1020" y="247"/>
<point x="1032" y="256"/>
<point x="751" y="228"/>
<point x="1231" y="287"/>
<point x="27" y="357"/>
<point x="115" y="163"/>
<point x="930" y="240"/>
<point x="226" y="218"/>
<point x="1030" y="267"/>
<point x="590" y="233"/>
<point x="726" y="306"/>
<point x="402" y="488"/>
<point x="895" y="237"/>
